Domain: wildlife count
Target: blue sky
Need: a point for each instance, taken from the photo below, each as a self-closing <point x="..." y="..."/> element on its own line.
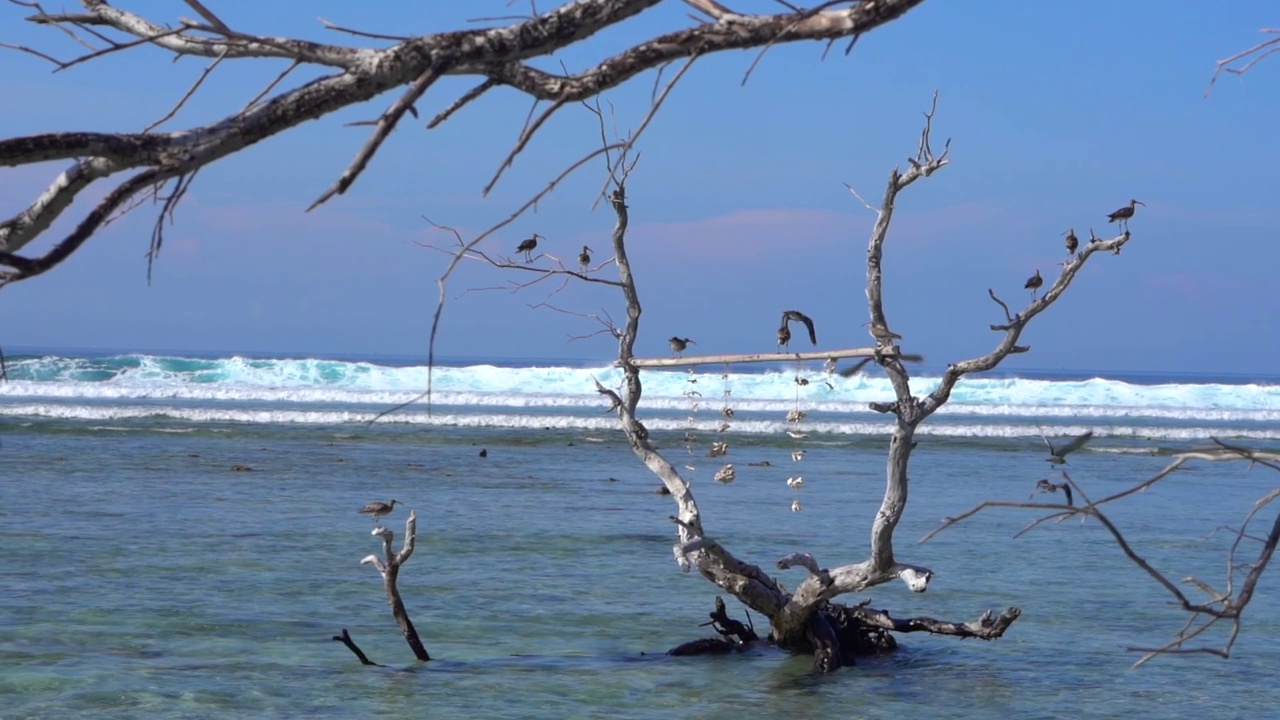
<point x="1059" y="113"/>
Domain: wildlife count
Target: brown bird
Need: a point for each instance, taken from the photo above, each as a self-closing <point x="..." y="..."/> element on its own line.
<point x="678" y="344"/>
<point x="1123" y="214"/>
<point x="584" y="257"/>
<point x="1046" y="486"/>
<point x="528" y="246"/>
<point x="784" y="336"/>
<point x="1033" y="283"/>
<point x="378" y="510"/>
<point x="1058" y="456"/>
<point x="1073" y="242"/>
<point x="881" y="333"/>
<point x="789" y="315"/>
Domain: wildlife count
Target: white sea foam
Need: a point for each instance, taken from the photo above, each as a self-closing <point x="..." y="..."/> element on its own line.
<point x="705" y="428"/>
<point x="241" y="389"/>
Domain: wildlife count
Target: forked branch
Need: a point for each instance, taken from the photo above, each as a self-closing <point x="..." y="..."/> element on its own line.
<point x="1225" y="604"/>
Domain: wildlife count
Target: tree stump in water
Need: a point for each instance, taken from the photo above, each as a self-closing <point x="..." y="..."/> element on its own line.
<point x="389" y="568"/>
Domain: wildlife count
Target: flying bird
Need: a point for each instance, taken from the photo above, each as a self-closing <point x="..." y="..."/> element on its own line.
<point x="796" y="315"/>
<point x="881" y="333"/>
<point x="1073" y="242"/>
<point x="1058" y="456"/>
<point x="854" y="368"/>
<point x="1033" y="283"/>
<point x="584" y="257"/>
<point x="1046" y="486"/>
<point x="1123" y="214"/>
<point x="678" y="344"/>
<point x="378" y="510"/>
<point x="528" y="246"/>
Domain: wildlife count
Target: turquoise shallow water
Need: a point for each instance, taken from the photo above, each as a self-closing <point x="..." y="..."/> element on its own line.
<point x="141" y="577"/>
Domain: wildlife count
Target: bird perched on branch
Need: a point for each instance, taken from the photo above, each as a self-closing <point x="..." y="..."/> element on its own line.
<point x="1058" y="456"/>
<point x="796" y="315"/>
<point x="1033" y="283"/>
<point x="528" y="246"/>
<point x="1123" y="214"/>
<point x="378" y="510"/>
<point x="678" y="344"/>
<point x="584" y="257"/>
<point x="784" y="336"/>
<point x="1046" y="486"/>
<point x="1073" y="242"/>
<point x="881" y="333"/>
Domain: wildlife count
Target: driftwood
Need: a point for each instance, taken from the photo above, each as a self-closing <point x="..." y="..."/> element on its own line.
<point x="733" y="635"/>
<point x="389" y="568"/>
<point x="345" y="639"/>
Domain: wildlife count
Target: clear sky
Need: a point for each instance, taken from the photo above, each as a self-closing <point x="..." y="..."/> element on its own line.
<point x="1059" y="112"/>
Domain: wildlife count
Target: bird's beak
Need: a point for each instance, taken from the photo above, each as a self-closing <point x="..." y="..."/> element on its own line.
<point x="1140" y="203"/>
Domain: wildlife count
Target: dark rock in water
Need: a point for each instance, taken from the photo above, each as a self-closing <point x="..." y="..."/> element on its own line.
<point x="662" y="491"/>
<point x="193" y="455"/>
<point x="241" y="468"/>
<point x="484" y="452"/>
<point x="613" y="479"/>
<point x="762" y="463"/>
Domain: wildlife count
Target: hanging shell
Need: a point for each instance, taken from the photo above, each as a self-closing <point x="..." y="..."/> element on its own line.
<point x="796" y="415"/>
<point x="795" y="483"/>
<point x="795" y="506"/>
<point x="726" y="474"/>
<point x="797" y="455"/>
<point x="718" y="449"/>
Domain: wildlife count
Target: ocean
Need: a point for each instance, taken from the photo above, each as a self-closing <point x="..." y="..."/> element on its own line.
<point x="180" y="539"/>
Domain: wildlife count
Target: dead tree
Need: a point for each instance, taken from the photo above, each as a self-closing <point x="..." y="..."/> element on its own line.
<point x="389" y="567"/>
<point x="163" y="165"/>
<point x="806" y="619"/>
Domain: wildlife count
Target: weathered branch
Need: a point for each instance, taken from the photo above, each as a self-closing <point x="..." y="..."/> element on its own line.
<point x="1243" y="61"/>
<point x="389" y="567"/>
<point x="690" y="360"/>
<point x="345" y="639"/>
<point x="497" y="54"/>
<point x="986" y="627"/>
<point x="1227" y="604"/>
<point x="1015" y="325"/>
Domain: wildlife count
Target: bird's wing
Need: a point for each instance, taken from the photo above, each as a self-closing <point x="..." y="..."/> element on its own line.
<point x="808" y="323"/>
<point x="1075" y="444"/>
<point x="1046" y="441"/>
<point x="853" y="369"/>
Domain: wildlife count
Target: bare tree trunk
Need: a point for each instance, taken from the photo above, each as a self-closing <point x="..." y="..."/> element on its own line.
<point x="389" y="568"/>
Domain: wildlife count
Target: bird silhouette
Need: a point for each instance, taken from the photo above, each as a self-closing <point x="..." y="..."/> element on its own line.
<point x="1073" y="242"/>
<point x="1123" y="214"/>
<point x="678" y="344"/>
<point x="1058" y="456"/>
<point x="1046" y="486"/>
<point x="528" y="246"/>
<point x="1033" y="283"/>
<point x="378" y="510"/>
<point x="796" y="315"/>
<point x="584" y="257"/>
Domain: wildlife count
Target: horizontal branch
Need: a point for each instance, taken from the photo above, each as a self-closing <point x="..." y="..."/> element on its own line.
<point x="689" y="360"/>
<point x="987" y="627"/>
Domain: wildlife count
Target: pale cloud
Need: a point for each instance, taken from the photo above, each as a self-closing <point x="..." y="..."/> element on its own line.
<point x="758" y="232"/>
